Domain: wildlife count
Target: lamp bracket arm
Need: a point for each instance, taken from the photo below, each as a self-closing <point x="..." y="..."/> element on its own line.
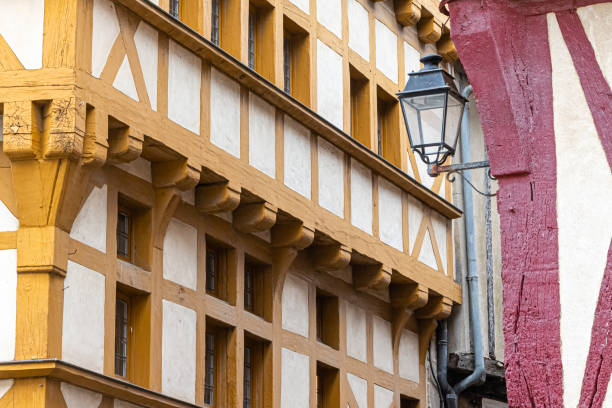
<point x="453" y="169"/>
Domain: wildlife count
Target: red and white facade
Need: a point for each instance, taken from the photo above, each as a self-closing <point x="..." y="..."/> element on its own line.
<point x="542" y="77"/>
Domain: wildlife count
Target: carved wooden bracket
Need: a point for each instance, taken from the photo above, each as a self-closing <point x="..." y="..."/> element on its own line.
<point x="429" y="31"/>
<point x="95" y="145"/>
<point x="371" y="277"/>
<point x="217" y="197"/>
<point x="412" y="296"/>
<point x="255" y="217"/>
<point x="294" y="234"/>
<point x="329" y="258"/>
<point x="124" y="144"/>
<point x="407" y="12"/>
<point x="446" y="48"/>
<point x="437" y="308"/>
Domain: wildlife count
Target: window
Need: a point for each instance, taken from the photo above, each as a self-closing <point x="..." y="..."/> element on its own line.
<point x="248" y="356"/>
<point x="328" y="386"/>
<point x="132" y="337"/>
<point x="133" y="233"/>
<point x="296" y="61"/>
<point x="388" y="131"/>
<point x="360" y="107"/>
<point x="256" y="356"/>
<point x="216" y="344"/>
<point x="124" y="236"/>
<point x="327" y="319"/>
<point x="219" y="265"/>
<point x="174" y="8"/>
<point x="406" y="402"/>
<point x="209" y="376"/>
<point x="254" y="287"/>
<point x="215" y="22"/>
<point x="252" y="28"/>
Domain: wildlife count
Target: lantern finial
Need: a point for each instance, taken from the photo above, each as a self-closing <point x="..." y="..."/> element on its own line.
<point x="431" y="61"/>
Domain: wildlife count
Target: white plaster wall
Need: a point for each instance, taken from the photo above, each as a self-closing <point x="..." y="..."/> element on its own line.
<point x="329" y="84"/>
<point x="359" y="387"/>
<point x="383" y="345"/>
<point x="331" y="177"/>
<point x="596" y="22"/>
<point x="386" y="51"/>
<point x="440" y="224"/>
<point x="415" y="217"/>
<point x="225" y="112"/>
<point x="77" y="397"/>
<point x="27" y="43"/>
<point x="184" y="83"/>
<point x="297" y="157"/>
<point x="408" y="356"/>
<point x="124" y="81"/>
<point x="412" y="59"/>
<point x="140" y="168"/>
<point x="8" y="303"/>
<point x="329" y="14"/>
<point x="295" y="305"/>
<point x="356" y="341"/>
<point x="145" y="39"/>
<point x="89" y="226"/>
<point x="181" y="254"/>
<point x="104" y="33"/>
<point x="383" y="398"/>
<point x="295" y="380"/>
<point x="426" y="180"/>
<point x="303" y="5"/>
<point x="584" y="239"/>
<point x="359" y="32"/>
<point x="83" y="321"/>
<point x="178" y="351"/>
<point x="5" y="386"/>
<point x="390" y="214"/>
<point x="361" y="196"/>
<point x="262" y="135"/>
<point x="8" y="222"/>
<point x="427" y="255"/>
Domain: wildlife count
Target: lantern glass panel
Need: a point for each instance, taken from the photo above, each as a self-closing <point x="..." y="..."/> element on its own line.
<point x="454" y="111"/>
<point x="424" y="116"/>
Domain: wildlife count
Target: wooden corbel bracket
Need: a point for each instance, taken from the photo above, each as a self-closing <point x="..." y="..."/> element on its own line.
<point x="374" y="277"/>
<point x="124" y="144"/>
<point x="428" y="29"/>
<point x="255" y="217"/>
<point x="407" y="12"/>
<point x="217" y="197"/>
<point x="330" y="258"/>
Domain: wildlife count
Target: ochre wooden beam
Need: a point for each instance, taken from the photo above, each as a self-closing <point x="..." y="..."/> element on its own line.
<point x="255" y="217"/>
<point x="412" y="296"/>
<point x="437" y="307"/>
<point x="124" y="144"/>
<point x="293" y="234"/>
<point x="329" y="258"/>
<point x="407" y="12"/>
<point x="371" y="277"/>
<point x="217" y="197"/>
<point x="429" y="30"/>
<point x="446" y="48"/>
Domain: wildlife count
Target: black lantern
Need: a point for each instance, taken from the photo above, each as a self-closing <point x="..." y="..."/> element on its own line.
<point x="432" y="109"/>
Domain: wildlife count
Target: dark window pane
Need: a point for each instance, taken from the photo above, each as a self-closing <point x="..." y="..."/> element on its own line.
<point x="252" y="19"/>
<point x="248" y="287"/>
<point x="287" y="64"/>
<point x="174" y="8"/>
<point x="209" y="374"/>
<point x="123" y="234"/>
<point x="211" y="269"/>
<point x="214" y="35"/>
<point x="121" y="337"/>
<point x="247" y="377"/>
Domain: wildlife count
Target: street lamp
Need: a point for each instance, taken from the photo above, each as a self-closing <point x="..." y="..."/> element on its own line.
<point x="433" y="109"/>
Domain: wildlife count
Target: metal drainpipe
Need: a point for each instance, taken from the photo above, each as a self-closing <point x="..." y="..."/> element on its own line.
<point x="478" y="376"/>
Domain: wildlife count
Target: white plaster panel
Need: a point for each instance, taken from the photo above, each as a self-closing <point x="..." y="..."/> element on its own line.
<point x="426" y="179"/>
<point x="156" y="2"/>
<point x="390" y="214"/>
<point x="583" y="239"/>
<point x="184" y="83"/>
<point x="408" y="356"/>
<point x="329" y="14"/>
<point x="8" y="222"/>
<point x="297" y="157"/>
<point x="329" y="84"/>
<point x="440" y="224"/>
<point x="386" y="51"/>
<point x="295" y="305"/>
<point x="225" y="112"/>
<point x="412" y="59"/>
<point x="383" y="345"/>
<point x="124" y="404"/>
<point x="303" y="5"/>
<point x="356" y="341"/>
<point x="83" y="321"/>
<point x="124" y="81"/>
<point x="427" y="255"/>
<point x="181" y="254"/>
<point x="331" y="177"/>
<point x="608" y="400"/>
<point x="8" y="303"/>
<point x="295" y="380"/>
<point x="383" y="398"/>
<point x="21" y="25"/>
<point x="597" y="24"/>
<point x="262" y="135"/>
<point x="415" y="217"/>
<point x="359" y="32"/>
<point x="104" y="33"/>
<point x="359" y="387"/>
<point x="77" y="397"/>
<point x="140" y="168"/>
<point x="5" y="386"/>
<point x="145" y="39"/>
<point x="178" y="351"/>
<point x="89" y="226"/>
<point x="361" y="196"/>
